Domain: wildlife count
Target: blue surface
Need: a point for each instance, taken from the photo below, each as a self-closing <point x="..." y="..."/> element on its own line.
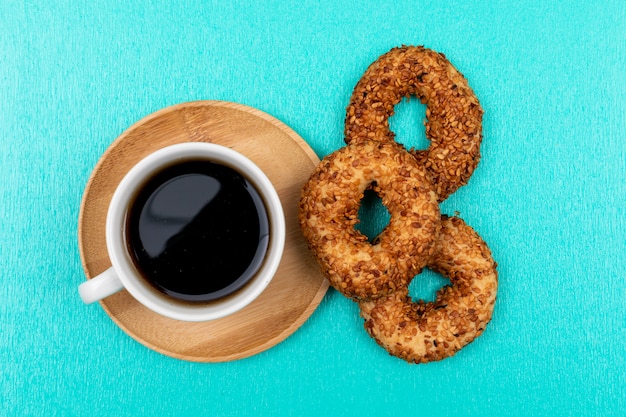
<point x="548" y="196"/>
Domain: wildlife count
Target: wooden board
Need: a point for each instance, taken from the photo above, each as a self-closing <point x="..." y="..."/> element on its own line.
<point x="298" y="286"/>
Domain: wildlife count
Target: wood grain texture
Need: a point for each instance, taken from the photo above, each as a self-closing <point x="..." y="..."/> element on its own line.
<point x="298" y="286"/>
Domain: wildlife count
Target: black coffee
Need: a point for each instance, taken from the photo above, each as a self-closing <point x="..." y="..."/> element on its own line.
<point x="198" y="231"/>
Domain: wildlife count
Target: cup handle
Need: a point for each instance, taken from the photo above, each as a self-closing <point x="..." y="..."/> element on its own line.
<point x="101" y="286"/>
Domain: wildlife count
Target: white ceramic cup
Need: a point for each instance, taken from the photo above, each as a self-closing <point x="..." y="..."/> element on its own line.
<point x="123" y="274"/>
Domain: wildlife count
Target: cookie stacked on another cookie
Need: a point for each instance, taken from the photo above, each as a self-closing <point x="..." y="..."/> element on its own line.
<point x="410" y="184"/>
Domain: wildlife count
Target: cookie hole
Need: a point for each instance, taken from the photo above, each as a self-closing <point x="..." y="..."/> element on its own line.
<point x="373" y="216"/>
<point x="408" y="123"/>
<point x="425" y="285"/>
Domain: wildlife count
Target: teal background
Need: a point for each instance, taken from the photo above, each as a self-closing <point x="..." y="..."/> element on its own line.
<point x="548" y="196"/>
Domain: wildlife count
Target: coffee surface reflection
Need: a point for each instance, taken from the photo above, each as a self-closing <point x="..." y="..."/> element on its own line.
<point x="197" y="231"/>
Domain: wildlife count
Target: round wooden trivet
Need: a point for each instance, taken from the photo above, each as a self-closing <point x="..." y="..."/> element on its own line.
<point x="298" y="286"/>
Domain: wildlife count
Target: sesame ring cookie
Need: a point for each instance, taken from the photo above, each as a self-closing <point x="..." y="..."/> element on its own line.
<point x="423" y="332"/>
<point x="328" y="212"/>
<point x="453" y="113"/>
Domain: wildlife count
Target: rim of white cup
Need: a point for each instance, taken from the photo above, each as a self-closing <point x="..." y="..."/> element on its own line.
<point x="123" y="265"/>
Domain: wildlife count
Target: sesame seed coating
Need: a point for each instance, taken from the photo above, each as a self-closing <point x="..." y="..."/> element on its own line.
<point x="453" y="114"/>
<point x="328" y="212"/>
<point x="410" y="184"/>
<point x="423" y="332"/>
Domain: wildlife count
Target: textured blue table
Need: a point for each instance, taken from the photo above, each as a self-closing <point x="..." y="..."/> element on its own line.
<point x="548" y="196"/>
